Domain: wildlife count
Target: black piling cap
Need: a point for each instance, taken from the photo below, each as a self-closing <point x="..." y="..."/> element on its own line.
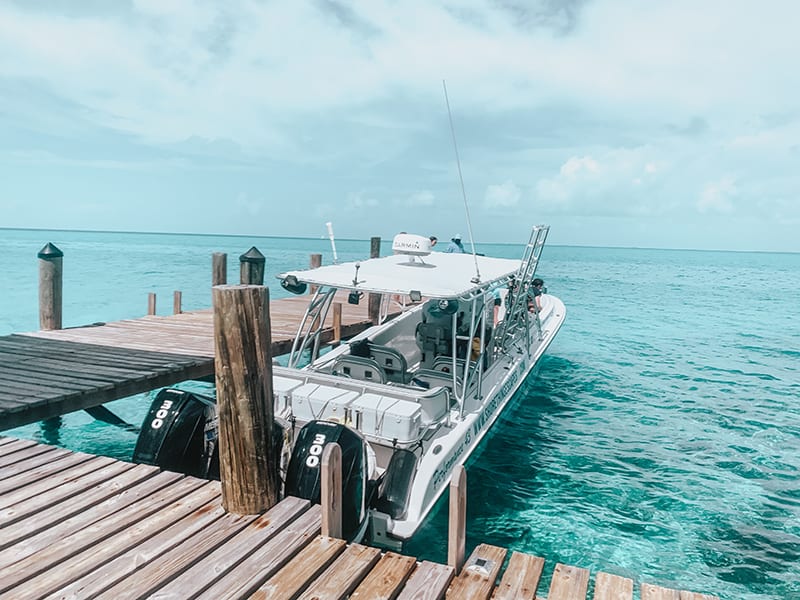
<point x="50" y="252"/>
<point x="252" y="256"/>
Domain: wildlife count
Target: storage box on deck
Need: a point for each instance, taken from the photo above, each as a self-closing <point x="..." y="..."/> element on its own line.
<point x="387" y="417"/>
<point x="282" y="391"/>
<point x="313" y="401"/>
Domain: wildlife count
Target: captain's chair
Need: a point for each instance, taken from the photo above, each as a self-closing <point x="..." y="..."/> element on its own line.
<point x="358" y="367"/>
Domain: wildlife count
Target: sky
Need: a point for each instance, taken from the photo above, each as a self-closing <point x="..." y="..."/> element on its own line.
<point x="619" y="123"/>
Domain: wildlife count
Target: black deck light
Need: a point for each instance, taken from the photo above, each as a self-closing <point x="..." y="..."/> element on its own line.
<point x="415" y="295"/>
<point x="290" y="284"/>
<point x="355" y="296"/>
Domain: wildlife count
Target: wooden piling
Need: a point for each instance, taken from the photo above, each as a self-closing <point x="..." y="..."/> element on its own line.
<point x="457" y="523"/>
<point x="314" y="262"/>
<point x="374" y="300"/>
<point x="177" y="300"/>
<point x="151" y="303"/>
<point x="219" y="268"/>
<point x="251" y="267"/>
<point x="331" y="492"/>
<point x="50" y="287"/>
<point x="243" y="365"/>
<point x="337" y="322"/>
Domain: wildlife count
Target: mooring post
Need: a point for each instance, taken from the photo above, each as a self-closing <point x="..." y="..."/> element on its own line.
<point x="313" y="263"/>
<point x="331" y="492"/>
<point x="51" y="261"/>
<point x="251" y="267"/>
<point x="151" y="303"/>
<point x="219" y="268"/>
<point x="177" y="300"/>
<point x="337" y="322"/>
<point x="374" y="301"/>
<point x="243" y="365"/>
<point x="457" y="523"/>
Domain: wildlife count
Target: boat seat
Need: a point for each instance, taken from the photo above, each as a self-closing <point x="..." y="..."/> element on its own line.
<point x="430" y="378"/>
<point x="445" y="364"/>
<point x="435" y="404"/>
<point x="391" y="361"/>
<point x="358" y="367"/>
<point x="433" y="338"/>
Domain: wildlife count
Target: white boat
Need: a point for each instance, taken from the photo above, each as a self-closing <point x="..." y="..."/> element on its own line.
<point x="413" y="396"/>
<point x="426" y="386"/>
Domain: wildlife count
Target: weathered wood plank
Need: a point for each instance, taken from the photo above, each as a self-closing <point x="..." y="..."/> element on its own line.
<point x="294" y="577"/>
<point x="102" y="550"/>
<point x="386" y="579"/>
<point x="521" y="579"/>
<point x="654" y="592"/>
<point x="429" y="581"/>
<point x="192" y="567"/>
<point x="60" y="519"/>
<point x="28" y="484"/>
<point x="15" y="575"/>
<point x="78" y="482"/>
<point x="568" y="583"/>
<point x="106" y="575"/>
<point x="263" y="561"/>
<point x="477" y="578"/>
<point x="612" y="587"/>
<point x="342" y="577"/>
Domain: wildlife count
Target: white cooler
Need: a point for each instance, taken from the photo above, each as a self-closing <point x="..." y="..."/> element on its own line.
<point x="282" y="391"/>
<point x="313" y="401"/>
<point x="387" y="417"/>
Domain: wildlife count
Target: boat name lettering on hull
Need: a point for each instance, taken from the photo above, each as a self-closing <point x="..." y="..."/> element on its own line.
<point x="441" y="473"/>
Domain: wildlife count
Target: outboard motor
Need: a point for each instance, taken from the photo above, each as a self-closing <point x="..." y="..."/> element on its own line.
<point x="303" y="478"/>
<point x="179" y="434"/>
<point x="396" y="488"/>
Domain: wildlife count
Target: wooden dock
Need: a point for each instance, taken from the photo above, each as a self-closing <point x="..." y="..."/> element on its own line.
<point x="76" y="526"/>
<point x="45" y="374"/>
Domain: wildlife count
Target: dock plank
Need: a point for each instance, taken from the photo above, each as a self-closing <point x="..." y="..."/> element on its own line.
<point x="62" y="518"/>
<point x="612" y="587"/>
<point x="344" y="575"/>
<point x="219" y="562"/>
<point x="295" y="576"/>
<point x="15" y="575"/>
<point x="263" y="562"/>
<point x="386" y="579"/>
<point x="568" y="583"/>
<point x="135" y="557"/>
<point x="429" y="581"/>
<point x="477" y="578"/>
<point x="655" y="592"/>
<point x="521" y="579"/>
<point x="78" y="565"/>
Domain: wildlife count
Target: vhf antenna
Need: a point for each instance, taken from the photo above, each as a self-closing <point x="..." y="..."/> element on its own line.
<point x="477" y="278"/>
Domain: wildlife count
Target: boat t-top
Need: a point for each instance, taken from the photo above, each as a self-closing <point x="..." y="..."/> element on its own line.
<point x="412" y="396"/>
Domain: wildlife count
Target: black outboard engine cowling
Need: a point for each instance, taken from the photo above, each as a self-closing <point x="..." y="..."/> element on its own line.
<point x="303" y="478"/>
<point x="179" y="434"/>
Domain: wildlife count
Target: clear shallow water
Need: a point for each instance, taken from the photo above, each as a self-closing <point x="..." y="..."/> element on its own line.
<point x="660" y="440"/>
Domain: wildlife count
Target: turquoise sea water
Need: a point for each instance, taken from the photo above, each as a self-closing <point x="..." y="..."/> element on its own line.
<point x="660" y="441"/>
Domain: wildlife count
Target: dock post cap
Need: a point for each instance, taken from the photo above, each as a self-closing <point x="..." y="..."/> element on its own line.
<point x="50" y="251"/>
<point x="252" y="256"/>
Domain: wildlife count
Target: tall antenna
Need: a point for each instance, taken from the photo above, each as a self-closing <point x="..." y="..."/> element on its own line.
<point x="477" y="278"/>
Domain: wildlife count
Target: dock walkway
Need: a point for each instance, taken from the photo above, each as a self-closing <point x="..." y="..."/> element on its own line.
<point x="45" y="374"/>
<point x="76" y="526"/>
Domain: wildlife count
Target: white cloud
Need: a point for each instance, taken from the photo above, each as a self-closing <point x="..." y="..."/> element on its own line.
<point x="504" y="195"/>
<point x="717" y="195"/>
<point x="421" y="198"/>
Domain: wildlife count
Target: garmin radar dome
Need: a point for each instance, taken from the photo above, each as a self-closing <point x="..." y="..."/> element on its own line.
<point x="413" y="245"/>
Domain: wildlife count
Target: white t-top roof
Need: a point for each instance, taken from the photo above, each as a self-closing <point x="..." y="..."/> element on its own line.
<point x="437" y="275"/>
